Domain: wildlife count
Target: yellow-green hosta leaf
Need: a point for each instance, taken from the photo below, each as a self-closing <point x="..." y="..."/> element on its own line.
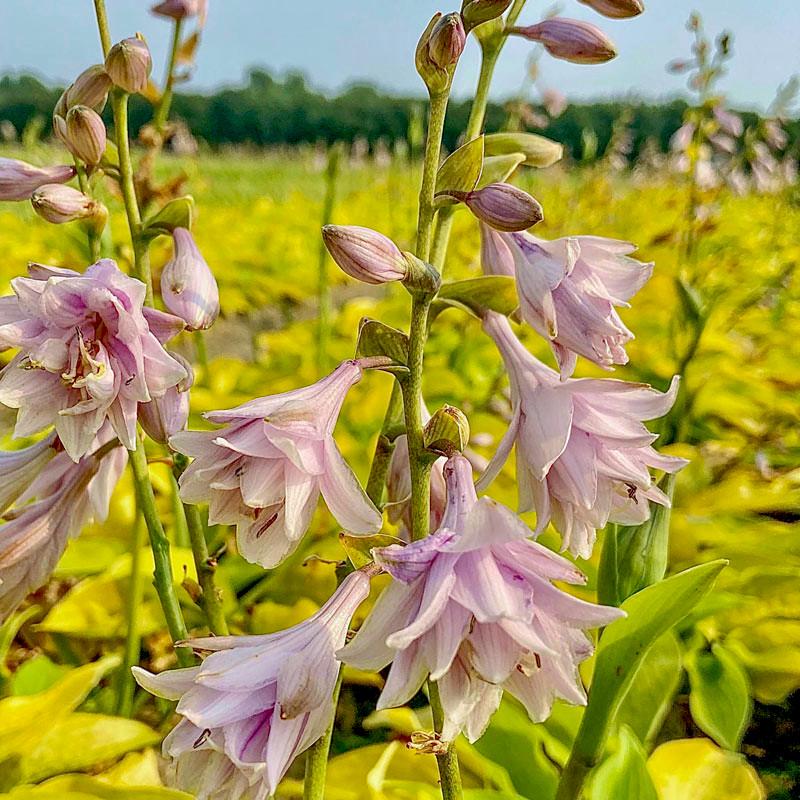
<point x="134" y="769"/>
<point x="720" y="695"/>
<point x="84" y="787"/>
<point x="78" y="741"/>
<point x="623" y="775"/>
<point x="698" y="769"/>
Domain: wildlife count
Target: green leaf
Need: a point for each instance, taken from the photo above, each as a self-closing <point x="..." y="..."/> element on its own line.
<point x="623" y="775"/>
<point x="377" y="339"/>
<point x="523" y="749"/>
<point x="493" y="292"/>
<point x="498" y="169"/>
<point x="462" y="169"/>
<point x="36" y="674"/>
<point x="539" y="151"/>
<point x="649" y="698"/>
<point x="720" y="699"/>
<point x="623" y="646"/>
<point x="635" y="556"/>
<point x="176" y="213"/>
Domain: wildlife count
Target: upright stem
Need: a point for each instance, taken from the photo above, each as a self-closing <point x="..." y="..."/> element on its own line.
<point x="384" y="448"/>
<point x="447" y="762"/>
<point x="91" y="233"/>
<point x="323" y="282"/>
<point x="162" y="110"/>
<point x="206" y="566"/>
<point x="162" y="575"/>
<point x="133" y="639"/>
<point x="419" y="465"/>
<point x="317" y="757"/>
<point x="433" y="150"/>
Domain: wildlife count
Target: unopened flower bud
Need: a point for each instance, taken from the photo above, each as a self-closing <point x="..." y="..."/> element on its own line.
<point x="447" y="432"/>
<point x="85" y="134"/>
<point x="165" y="416"/>
<point x="177" y="9"/>
<point x="364" y="254"/>
<point x="19" y="180"/>
<point x="616" y="9"/>
<point x="502" y="206"/>
<point x="435" y="77"/>
<point x="128" y="64"/>
<point x="188" y="286"/>
<point x="476" y="12"/>
<point x="90" y="88"/>
<point x="447" y="41"/>
<point x="570" y="39"/>
<point x="728" y="121"/>
<point x="58" y="204"/>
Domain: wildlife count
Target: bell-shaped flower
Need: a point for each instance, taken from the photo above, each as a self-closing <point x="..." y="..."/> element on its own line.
<point x="188" y="286"/>
<point x="19" y="180"/>
<point x="473" y="607"/>
<point x="568" y="289"/>
<point x="583" y="452"/>
<point x="257" y="701"/>
<point x="87" y="353"/>
<point x="18" y="468"/>
<point x="165" y="416"/>
<point x="62" y="498"/>
<point x="264" y="471"/>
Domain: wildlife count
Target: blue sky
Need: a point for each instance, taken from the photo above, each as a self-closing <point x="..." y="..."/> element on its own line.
<point x="336" y="42"/>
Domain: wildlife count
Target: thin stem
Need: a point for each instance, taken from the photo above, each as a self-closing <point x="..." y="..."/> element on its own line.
<point x="206" y="566"/>
<point x="92" y="234"/>
<point x="102" y="25"/>
<point x="433" y="150"/>
<point x="162" y="574"/>
<point x="133" y="638"/>
<point x="162" y="109"/>
<point x="317" y="758"/>
<point x="419" y="465"/>
<point x="384" y="448"/>
<point x="180" y="537"/>
<point x="323" y="279"/>
<point x="141" y="255"/>
<point x="449" y="774"/>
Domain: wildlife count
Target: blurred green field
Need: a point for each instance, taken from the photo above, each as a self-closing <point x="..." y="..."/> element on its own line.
<point x="258" y="223"/>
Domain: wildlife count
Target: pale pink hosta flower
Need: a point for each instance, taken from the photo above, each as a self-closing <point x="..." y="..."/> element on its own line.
<point x="364" y="254"/>
<point x="682" y="138"/>
<point x="188" y="286"/>
<point x="569" y="39"/>
<point x="60" y="500"/>
<point x="729" y="122"/>
<point x="19" y="180"/>
<point x="180" y="9"/>
<point x="257" y="701"/>
<point x="165" y="416"/>
<point x="398" y="489"/>
<point x="775" y="135"/>
<point x="616" y="9"/>
<point x="473" y="606"/>
<point x="18" y="468"/>
<point x="554" y="102"/>
<point x="264" y="471"/>
<point x="496" y="256"/>
<point x="87" y="353"/>
<point x="583" y="452"/>
<point x="568" y="289"/>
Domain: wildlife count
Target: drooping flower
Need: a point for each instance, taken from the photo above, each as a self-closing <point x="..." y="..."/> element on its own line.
<point x="583" y="451"/>
<point x="364" y="254"/>
<point x="165" y="416"/>
<point x="256" y="702"/>
<point x="86" y="353"/>
<point x="53" y="509"/>
<point x="473" y="606"/>
<point x="18" y="468"/>
<point x="568" y="290"/>
<point x="188" y="286"/>
<point x="569" y="39"/>
<point x="264" y="471"/>
<point x="179" y="9"/>
<point x="19" y="180"/>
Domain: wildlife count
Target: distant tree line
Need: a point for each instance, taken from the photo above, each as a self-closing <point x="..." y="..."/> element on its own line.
<point x="268" y="111"/>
